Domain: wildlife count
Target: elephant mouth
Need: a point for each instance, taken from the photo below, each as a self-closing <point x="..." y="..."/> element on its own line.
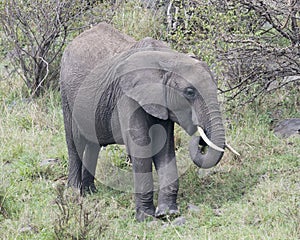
<point x="204" y="152"/>
<point x="202" y="146"/>
<point x="204" y="143"/>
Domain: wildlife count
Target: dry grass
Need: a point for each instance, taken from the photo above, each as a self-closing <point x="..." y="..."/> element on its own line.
<point x="252" y="197"/>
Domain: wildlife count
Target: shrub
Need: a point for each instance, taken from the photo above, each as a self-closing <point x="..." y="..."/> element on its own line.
<point x="36" y="33"/>
<point x="253" y="46"/>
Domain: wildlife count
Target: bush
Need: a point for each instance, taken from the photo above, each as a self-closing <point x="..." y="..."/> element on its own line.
<point x="35" y="33"/>
<point x="77" y="218"/>
<point x="253" y="46"/>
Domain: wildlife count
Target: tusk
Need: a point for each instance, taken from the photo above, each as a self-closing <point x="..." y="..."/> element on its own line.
<point x="231" y="149"/>
<point x="208" y="142"/>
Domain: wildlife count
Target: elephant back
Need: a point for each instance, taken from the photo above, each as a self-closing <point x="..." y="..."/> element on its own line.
<point x="97" y="44"/>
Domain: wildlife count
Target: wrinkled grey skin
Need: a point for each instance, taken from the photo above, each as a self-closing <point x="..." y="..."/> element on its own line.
<point x="117" y="90"/>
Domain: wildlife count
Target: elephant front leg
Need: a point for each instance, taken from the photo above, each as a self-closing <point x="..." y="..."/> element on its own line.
<point x="169" y="184"/>
<point x="165" y="164"/>
<point x="143" y="187"/>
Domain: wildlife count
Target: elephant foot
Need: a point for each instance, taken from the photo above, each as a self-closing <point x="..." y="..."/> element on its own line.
<point x="88" y="189"/>
<point x="74" y="183"/>
<point x="163" y="210"/>
<point x="145" y="214"/>
<point x="144" y="206"/>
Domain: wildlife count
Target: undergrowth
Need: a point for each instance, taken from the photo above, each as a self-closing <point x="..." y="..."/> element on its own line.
<point x="255" y="196"/>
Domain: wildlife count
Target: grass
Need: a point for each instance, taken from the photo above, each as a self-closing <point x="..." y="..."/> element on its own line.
<point x="255" y="196"/>
<point x="135" y="20"/>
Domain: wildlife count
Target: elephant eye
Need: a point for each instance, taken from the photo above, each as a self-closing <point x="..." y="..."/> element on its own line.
<point x="190" y="92"/>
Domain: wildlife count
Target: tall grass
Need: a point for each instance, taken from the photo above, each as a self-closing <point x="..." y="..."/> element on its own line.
<point x="255" y="196"/>
<point x="135" y="20"/>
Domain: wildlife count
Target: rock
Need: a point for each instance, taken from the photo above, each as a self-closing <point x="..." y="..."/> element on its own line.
<point x="164" y="226"/>
<point x="179" y="221"/>
<point x="204" y="172"/>
<point x="282" y="81"/>
<point x="49" y="161"/>
<point x="287" y="128"/>
<point x="154" y="223"/>
<point x="28" y="228"/>
<point x="193" y="208"/>
<point x="218" y="212"/>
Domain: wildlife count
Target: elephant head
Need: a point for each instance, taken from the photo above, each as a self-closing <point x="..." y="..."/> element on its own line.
<point x="174" y="86"/>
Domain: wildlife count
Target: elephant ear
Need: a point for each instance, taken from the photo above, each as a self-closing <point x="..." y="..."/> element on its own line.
<point x="147" y="90"/>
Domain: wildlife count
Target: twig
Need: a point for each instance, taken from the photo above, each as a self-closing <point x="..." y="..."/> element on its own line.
<point x="41" y="82"/>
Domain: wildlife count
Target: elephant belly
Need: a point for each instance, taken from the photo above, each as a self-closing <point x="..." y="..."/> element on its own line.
<point x="108" y="132"/>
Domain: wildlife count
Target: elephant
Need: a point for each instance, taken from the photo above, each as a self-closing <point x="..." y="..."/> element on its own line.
<point x="116" y="90"/>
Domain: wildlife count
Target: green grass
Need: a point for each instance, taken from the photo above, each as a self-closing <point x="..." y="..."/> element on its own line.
<point x="255" y="196"/>
<point x="135" y="20"/>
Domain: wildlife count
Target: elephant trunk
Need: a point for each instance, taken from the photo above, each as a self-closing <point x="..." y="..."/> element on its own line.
<point x="207" y="149"/>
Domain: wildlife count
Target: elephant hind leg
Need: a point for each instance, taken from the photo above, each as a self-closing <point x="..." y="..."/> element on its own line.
<point x="75" y="150"/>
<point x="76" y="144"/>
<point x="89" y="167"/>
<point x="75" y="165"/>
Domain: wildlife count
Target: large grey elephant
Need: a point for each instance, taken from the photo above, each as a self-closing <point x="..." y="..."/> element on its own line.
<point x="118" y="90"/>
